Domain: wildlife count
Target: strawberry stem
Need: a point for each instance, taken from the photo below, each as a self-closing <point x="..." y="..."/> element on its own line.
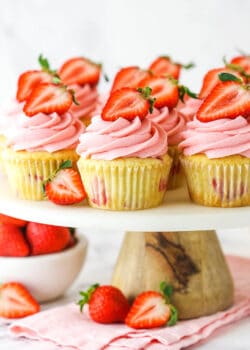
<point x="44" y="63"/>
<point x="188" y="65"/>
<point x="74" y="97"/>
<point x="229" y="77"/>
<point x="185" y="90"/>
<point x="146" y="92"/>
<point x="173" y="315"/>
<point x="86" y="296"/>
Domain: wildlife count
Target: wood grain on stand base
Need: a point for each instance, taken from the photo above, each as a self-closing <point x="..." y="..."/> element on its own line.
<point x="192" y="262"/>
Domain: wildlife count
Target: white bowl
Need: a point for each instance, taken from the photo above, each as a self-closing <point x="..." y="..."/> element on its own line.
<point x="48" y="276"/>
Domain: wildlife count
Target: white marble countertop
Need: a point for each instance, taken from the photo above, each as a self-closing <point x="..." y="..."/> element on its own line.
<point x="103" y="250"/>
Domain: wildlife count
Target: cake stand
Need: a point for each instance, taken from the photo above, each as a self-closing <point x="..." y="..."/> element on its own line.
<point x="175" y="242"/>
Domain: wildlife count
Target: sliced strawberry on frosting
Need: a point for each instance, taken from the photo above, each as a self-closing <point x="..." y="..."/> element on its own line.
<point x="81" y="71"/>
<point x="211" y="79"/>
<point x="129" y="77"/>
<point x="48" y="98"/>
<point x="229" y="99"/>
<point x="242" y="61"/>
<point x="164" y="66"/>
<point x="164" y="90"/>
<point x="29" y="80"/>
<point x="128" y="103"/>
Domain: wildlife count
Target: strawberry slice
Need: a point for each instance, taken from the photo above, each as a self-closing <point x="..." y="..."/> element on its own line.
<point x="211" y="79"/>
<point x="48" y="98"/>
<point x="228" y="99"/>
<point x="65" y="187"/>
<point x="28" y="81"/>
<point x="164" y="66"/>
<point x="80" y="70"/>
<point x="164" y="90"/>
<point x="242" y="61"/>
<point x="128" y="103"/>
<point x="152" y="309"/>
<point x="16" y="301"/>
<point x="129" y="77"/>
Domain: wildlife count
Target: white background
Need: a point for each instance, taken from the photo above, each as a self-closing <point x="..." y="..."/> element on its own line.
<point x="120" y="32"/>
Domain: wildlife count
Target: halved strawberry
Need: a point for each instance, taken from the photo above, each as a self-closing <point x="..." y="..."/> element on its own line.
<point x="129" y="77"/>
<point x="128" y="103"/>
<point x="48" y="98"/>
<point x="16" y="301"/>
<point x="80" y="70"/>
<point x="164" y="66"/>
<point x="65" y="186"/>
<point x="28" y="81"/>
<point x="149" y="310"/>
<point x="228" y="99"/>
<point x="242" y="61"/>
<point x="211" y="79"/>
<point x="164" y="90"/>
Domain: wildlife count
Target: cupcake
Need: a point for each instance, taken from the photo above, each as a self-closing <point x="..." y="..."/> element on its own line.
<point x="43" y="135"/>
<point x="123" y="162"/>
<point x="82" y="76"/>
<point x="216" y="148"/>
<point x="166" y="92"/>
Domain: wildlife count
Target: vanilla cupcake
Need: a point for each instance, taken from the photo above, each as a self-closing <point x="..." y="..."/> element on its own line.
<point x="124" y="164"/>
<point x="216" y="160"/>
<point x="35" y="148"/>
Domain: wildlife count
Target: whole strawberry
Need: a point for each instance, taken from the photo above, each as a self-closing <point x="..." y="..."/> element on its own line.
<point x="107" y="304"/>
<point x="12" y="241"/>
<point x="46" y="239"/>
<point x="5" y="219"/>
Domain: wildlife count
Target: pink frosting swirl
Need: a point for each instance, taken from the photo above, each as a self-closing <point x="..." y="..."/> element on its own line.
<point x="44" y="132"/>
<point x="219" y="138"/>
<point x="189" y="108"/>
<point x="122" y="139"/>
<point x="172" y="122"/>
<point x="87" y="97"/>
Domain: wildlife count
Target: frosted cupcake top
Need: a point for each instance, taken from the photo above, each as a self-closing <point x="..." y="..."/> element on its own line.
<point x="188" y="108"/>
<point x="122" y="138"/>
<point x="87" y="97"/>
<point x="219" y="138"/>
<point x="172" y="122"/>
<point x="43" y="132"/>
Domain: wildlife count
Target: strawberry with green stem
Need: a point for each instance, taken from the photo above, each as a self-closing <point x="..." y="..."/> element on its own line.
<point x="166" y="91"/>
<point x="229" y="99"/>
<point x="29" y="80"/>
<point x="128" y="103"/>
<point x="64" y="186"/>
<point x="152" y="309"/>
<point x="107" y="304"/>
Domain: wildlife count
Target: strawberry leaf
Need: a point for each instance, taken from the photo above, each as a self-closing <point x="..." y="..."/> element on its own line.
<point x="185" y="90"/>
<point x="229" y="77"/>
<point x="166" y="289"/>
<point x="86" y="296"/>
<point x="44" y="63"/>
<point x="188" y="65"/>
<point x="65" y="165"/>
<point x="74" y="97"/>
<point x="173" y="315"/>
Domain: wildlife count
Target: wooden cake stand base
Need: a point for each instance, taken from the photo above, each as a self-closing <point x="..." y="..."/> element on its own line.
<point x="192" y="262"/>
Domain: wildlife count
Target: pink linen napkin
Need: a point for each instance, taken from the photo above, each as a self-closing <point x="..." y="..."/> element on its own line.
<point x="67" y="327"/>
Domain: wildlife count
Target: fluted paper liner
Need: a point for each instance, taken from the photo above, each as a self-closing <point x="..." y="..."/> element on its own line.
<point x="176" y="175"/>
<point x="222" y="182"/>
<point x="2" y="146"/>
<point x="125" y="184"/>
<point x="26" y="171"/>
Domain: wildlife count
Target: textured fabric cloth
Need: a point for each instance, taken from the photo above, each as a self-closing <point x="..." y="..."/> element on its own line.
<point x="67" y="327"/>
